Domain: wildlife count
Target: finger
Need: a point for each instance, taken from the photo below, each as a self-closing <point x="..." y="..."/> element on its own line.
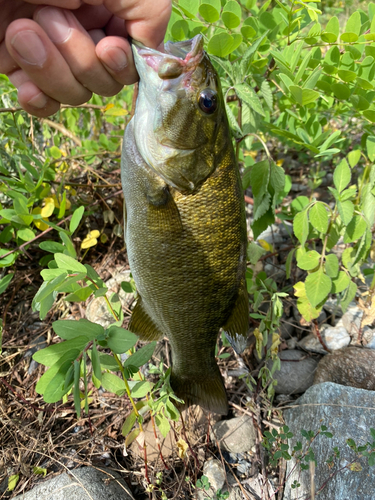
<point x="78" y="50"/>
<point x="31" y="98"/>
<point x="116" y="55"/>
<point x="34" y="52"/>
<point x="64" y="4"/>
<point x="146" y="20"/>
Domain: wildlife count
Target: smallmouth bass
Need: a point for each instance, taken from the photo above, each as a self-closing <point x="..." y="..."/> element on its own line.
<point x="185" y="227"/>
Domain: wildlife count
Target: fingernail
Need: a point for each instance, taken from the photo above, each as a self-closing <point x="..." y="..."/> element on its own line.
<point x="115" y="58"/>
<point x="39" y="101"/>
<point x="29" y="47"/>
<point x="55" y="23"/>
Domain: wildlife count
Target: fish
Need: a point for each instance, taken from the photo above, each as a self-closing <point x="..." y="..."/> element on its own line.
<point x="185" y="228"/>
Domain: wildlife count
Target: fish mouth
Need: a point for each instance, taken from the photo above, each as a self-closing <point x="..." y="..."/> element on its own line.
<point x="177" y="58"/>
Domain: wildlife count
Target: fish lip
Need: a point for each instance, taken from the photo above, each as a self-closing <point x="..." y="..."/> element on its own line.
<point x="153" y="57"/>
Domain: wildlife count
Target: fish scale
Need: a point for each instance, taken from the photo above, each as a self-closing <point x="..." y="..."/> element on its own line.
<point x="186" y="249"/>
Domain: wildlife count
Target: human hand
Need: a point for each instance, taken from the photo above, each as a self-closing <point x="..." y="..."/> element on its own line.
<point x="56" y="55"/>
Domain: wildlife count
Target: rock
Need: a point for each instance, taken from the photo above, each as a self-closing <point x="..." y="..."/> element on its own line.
<point x="236" y="435"/>
<point x="353" y="366"/>
<point x="368" y="338"/>
<point x="275" y="271"/>
<point x="271" y="235"/>
<point x="351" y="320"/>
<point x="335" y="337"/>
<point x="97" y="310"/>
<point x="296" y="372"/>
<point x="287" y="327"/>
<point x="215" y="472"/>
<point x="292" y="343"/>
<point x="85" y="483"/>
<point x="37" y="344"/>
<point x="332" y="307"/>
<point x="347" y="413"/>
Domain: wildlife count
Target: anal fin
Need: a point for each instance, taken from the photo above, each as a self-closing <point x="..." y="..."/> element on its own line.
<point x="142" y="325"/>
<point x="237" y="327"/>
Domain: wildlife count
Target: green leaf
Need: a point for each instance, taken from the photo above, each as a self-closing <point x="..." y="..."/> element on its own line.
<point x="128" y="424"/>
<point x="288" y="264"/>
<point x="308" y="260"/>
<point x="332" y="265"/>
<point x="318" y="285"/>
<point x="4" y="282"/>
<point x="259" y="177"/>
<point x="220" y="44"/>
<point x="96" y="362"/>
<point x="303" y="304"/>
<point x="141" y="389"/>
<point x="266" y="92"/>
<point x="231" y="14"/>
<point x="163" y="424"/>
<point x="51" y="354"/>
<point x="341" y="91"/>
<point x="370" y="145"/>
<point x="80" y="295"/>
<point x="210" y="10"/>
<point x="332" y="30"/>
<point x="349" y="296"/>
<point x="51" y="384"/>
<point x="69" y="247"/>
<point x="247" y="94"/>
<point x="354" y="156"/>
<point x="113" y="383"/>
<point x="353" y="24"/>
<point x="347" y="75"/>
<point x="12" y="481"/>
<point x="40" y="471"/>
<point x="76" y="391"/>
<point x="25" y="234"/>
<point x="180" y="29"/>
<point x="69" y="329"/>
<point x="48" y="288"/>
<point x="76" y="219"/>
<point x="303" y="96"/>
<point x="340" y="283"/>
<point x="318" y="217"/>
<point x="108" y="362"/>
<point x="254" y="252"/>
<point x="140" y="357"/>
<point x="355" y="229"/>
<point x="301" y="227"/>
<point x="68" y="263"/>
<point x="120" y="340"/>
<point x="52" y="246"/>
<point x="342" y="175"/>
<point x="346" y="211"/>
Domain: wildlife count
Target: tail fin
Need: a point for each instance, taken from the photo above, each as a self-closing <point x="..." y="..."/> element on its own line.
<point x="209" y="392"/>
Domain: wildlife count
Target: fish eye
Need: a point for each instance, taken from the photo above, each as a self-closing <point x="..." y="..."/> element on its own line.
<point x="208" y="101"/>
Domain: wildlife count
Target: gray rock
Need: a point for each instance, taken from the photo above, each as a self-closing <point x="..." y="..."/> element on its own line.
<point x="37" y="344"/>
<point x="351" y="320"/>
<point x="348" y="413"/>
<point x="271" y="235"/>
<point x="276" y="272"/>
<point x="332" y="307"/>
<point x="97" y="310"/>
<point x="296" y="372"/>
<point x="353" y="366"/>
<point x="335" y="337"/>
<point x="85" y="483"/>
<point x="215" y="472"/>
<point x="236" y="435"/>
<point x="287" y="327"/>
<point x="368" y="337"/>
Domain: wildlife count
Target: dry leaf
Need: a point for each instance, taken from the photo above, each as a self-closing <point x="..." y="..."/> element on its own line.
<point x="182" y="448"/>
<point x="368" y="312"/>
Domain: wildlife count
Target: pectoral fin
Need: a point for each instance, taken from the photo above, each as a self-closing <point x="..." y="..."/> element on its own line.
<point x="142" y="325"/>
<point x="237" y="326"/>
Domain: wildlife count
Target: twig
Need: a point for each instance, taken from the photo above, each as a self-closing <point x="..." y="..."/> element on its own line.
<point x="63" y="130"/>
<point x="19" y="396"/>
